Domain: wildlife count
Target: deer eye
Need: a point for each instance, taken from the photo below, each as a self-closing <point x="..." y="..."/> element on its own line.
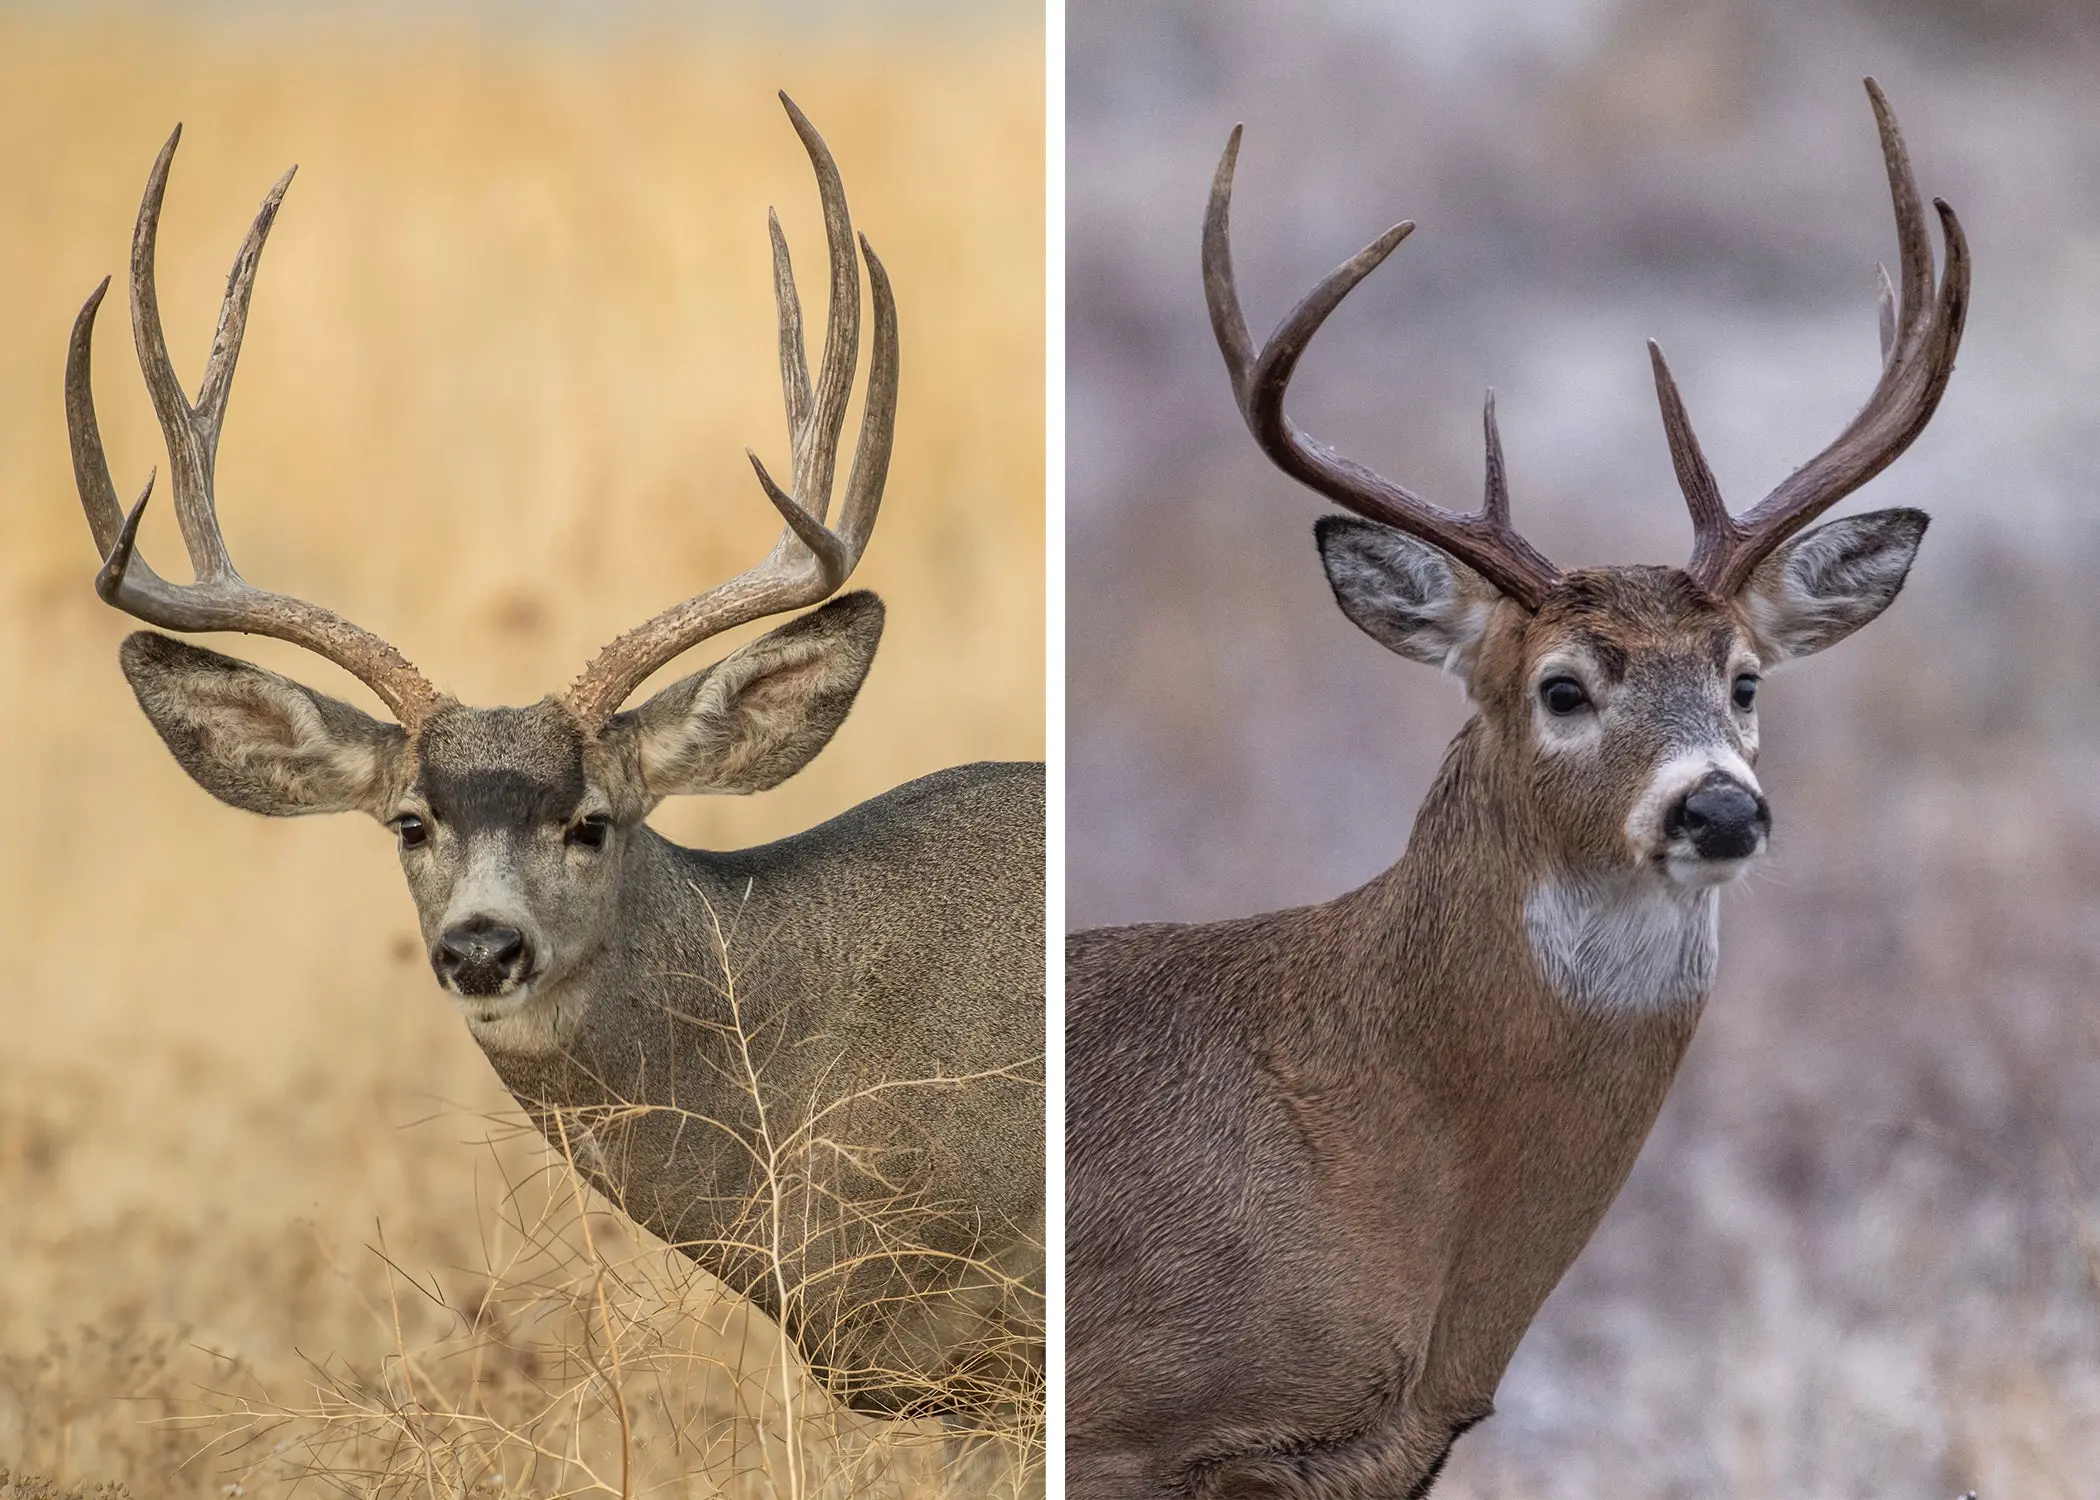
<point x="1562" y="695"/>
<point x="1746" y="690"/>
<point x="412" y="831"/>
<point x="590" y="832"/>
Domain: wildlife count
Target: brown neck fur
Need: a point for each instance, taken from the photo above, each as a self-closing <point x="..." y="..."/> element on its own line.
<point x="1422" y="1135"/>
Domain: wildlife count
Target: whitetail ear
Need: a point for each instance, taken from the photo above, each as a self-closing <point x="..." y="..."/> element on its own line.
<point x="1406" y="595"/>
<point x="1826" y="583"/>
<point x="759" y="715"/>
<point x="260" y="741"/>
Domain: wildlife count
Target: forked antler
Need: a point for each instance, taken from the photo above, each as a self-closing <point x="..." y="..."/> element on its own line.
<point x="1483" y="540"/>
<point x="219" y="599"/>
<point x="1919" y="335"/>
<point x="811" y="560"/>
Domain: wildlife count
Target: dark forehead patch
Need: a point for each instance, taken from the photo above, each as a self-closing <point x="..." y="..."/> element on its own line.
<point x="501" y="767"/>
<point x="1610" y="656"/>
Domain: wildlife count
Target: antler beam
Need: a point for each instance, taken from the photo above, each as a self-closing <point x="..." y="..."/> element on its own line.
<point x="1920" y="332"/>
<point x="1483" y="540"/>
<point x="812" y="559"/>
<point x="219" y="599"/>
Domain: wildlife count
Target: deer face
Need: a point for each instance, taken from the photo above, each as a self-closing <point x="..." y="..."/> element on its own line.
<point x="1633" y="698"/>
<point x="1626" y="702"/>
<point x="1619" y="704"/>
<point x="513" y="823"/>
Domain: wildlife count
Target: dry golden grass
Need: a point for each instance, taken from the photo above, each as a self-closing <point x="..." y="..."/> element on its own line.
<point x="511" y="337"/>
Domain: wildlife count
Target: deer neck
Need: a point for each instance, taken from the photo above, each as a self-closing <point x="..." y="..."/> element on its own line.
<point x="1528" y="1027"/>
<point x="612" y="1061"/>
<point x="1477" y="927"/>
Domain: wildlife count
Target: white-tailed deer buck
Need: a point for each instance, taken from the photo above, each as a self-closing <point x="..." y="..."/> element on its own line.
<point x="813" y="1066"/>
<point x="1324" y="1165"/>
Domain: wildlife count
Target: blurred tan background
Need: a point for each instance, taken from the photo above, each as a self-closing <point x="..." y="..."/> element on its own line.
<point x="1861" y="1255"/>
<point x="510" y="339"/>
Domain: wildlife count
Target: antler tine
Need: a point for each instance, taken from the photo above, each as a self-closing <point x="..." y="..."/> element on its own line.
<point x="878" y="420"/>
<point x="1885" y="297"/>
<point x="1494" y="504"/>
<point x="1714" y="531"/>
<point x="811" y="560"/>
<point x="1483" y="540"/>
<point x="1920" y="328"/>
<point x="193" y="431"/>
<point x="220" y="599"/>
<point x="816" y="439"/>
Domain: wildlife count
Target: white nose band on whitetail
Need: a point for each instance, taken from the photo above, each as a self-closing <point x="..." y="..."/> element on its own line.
<point x="1648" y="826"/>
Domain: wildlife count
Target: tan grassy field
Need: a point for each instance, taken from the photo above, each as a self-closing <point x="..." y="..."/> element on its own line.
<point x="511" y="338"/>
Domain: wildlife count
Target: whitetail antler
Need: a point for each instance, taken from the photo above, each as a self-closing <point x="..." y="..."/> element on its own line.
<point x="1484" y="540"/>
<point x="1919" y="336"/>
<point x="811" y="560"/>
<point x="219" y="599"/>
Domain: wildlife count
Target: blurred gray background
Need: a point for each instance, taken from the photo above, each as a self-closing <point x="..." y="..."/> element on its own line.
<point x="1861" y="1254"/>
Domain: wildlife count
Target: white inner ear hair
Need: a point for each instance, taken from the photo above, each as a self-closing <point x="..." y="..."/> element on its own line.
<point x="249" y="717"/>
<point x="1635" y="944"/>
<point x="275" y="734"/>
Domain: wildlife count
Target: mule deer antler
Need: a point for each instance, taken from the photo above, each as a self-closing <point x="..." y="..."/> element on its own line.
<point x="1483" y="540"/>
<point x="219" y="599"/>
<point x="1920" y="331"/>
<point x="811" y="560"/>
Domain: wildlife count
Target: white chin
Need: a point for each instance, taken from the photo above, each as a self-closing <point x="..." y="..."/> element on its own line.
<point x="484" y="1009"/>
<point x="1695" y="873"/>
<point x="528" y="1020"/>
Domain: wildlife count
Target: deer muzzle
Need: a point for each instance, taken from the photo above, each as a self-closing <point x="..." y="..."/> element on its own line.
<point x="1720" y="818"/>
<point x="482" y="957"/>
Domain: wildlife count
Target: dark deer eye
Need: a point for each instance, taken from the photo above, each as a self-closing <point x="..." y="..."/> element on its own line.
<point x="1562" y="695"/>
<point x="591" y="832"/>
<point x="1746" y="690"/>
<point x="413" y="831"/>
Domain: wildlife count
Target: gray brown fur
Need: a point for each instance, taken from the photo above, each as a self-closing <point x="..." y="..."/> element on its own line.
<point x="897" y="947"/>
<point x="816" y="1066"/>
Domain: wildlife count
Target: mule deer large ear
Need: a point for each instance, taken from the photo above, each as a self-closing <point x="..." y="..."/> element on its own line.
<point x="759" y="715"/>
<point x="1404" y="594"/>
<point x="1826" y="583"/>
<point x="260" y="741"/>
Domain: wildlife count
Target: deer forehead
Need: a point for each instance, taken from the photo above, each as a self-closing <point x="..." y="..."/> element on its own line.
<point x="502" y="767"/>
<point x="1648" y="626"/>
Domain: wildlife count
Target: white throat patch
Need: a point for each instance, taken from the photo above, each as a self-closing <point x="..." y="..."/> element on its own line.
<point x="1624" y="945"/>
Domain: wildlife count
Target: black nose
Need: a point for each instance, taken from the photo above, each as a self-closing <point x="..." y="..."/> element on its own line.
<point x="480" y="955"/>
<point x="1723" y="819"/>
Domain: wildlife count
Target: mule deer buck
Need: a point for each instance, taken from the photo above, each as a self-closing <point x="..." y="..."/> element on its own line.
<point x="1324" y="1165"/>
<point x="813" y="1066"/>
